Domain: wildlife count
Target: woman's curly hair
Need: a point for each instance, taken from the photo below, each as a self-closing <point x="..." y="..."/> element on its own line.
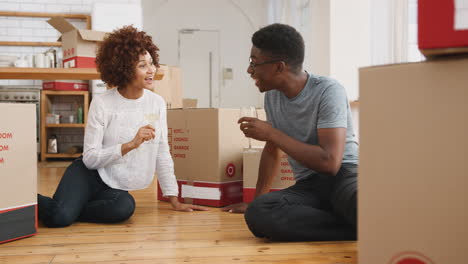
<point x="119" y="53"/>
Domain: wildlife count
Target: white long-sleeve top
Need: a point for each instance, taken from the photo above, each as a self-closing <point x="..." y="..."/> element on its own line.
<point x="114" y="120"/>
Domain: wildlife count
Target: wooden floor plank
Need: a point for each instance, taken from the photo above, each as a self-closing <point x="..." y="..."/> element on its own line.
<point x="197" y="245"/>
<point x="24" y="259"/>
<point x="206" y="252"/>
<point x="336" y="258"/>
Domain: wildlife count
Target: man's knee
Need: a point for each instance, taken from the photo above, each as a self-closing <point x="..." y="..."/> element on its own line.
<point x="258" y="209"/>
<point x="344" y="200"/>
<point x="259" y="215"/>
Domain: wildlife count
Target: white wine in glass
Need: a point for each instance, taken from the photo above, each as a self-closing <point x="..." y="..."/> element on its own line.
<point x="150" y="119"/>
<point x="248" y="111"/>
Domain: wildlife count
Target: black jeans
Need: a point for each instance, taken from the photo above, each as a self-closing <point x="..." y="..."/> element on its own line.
<point x="319" y="208"/>
<point x="82" y="196"/>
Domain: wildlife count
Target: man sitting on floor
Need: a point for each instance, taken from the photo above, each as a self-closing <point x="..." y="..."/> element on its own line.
<point x="309" y="119"/>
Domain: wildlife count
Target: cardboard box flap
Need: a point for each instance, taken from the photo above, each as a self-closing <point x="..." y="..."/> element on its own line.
<point x="61" y="24"/>
<point x="92" y="35"/>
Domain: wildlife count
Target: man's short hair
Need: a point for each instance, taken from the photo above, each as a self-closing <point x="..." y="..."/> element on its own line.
<point x="281" y="41"/>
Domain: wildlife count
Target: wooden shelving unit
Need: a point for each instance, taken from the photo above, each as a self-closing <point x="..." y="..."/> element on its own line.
<point x="84" y="17"/>
<point x="46" y="98"/>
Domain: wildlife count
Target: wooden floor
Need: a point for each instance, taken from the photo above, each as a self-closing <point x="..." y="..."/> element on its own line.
<point x="156" y="234"/>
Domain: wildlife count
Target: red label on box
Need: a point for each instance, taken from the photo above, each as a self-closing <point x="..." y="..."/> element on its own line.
<point x="230" y="170"/>
<point x="436" y="26"/>
<point x="65" y="86"/>
<point x="410" y="258"/>
<point x="80" y="62"/>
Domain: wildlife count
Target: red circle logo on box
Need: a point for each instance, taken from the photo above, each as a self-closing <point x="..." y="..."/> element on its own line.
<point x="230" y="170"/>
<point x="410" y="258"/>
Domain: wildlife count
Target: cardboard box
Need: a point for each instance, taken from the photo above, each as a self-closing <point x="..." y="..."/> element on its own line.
<point x="442" y="27"/>
<point x="78" y="45"/>
<point x="18" y="170"/>
<point x="206" y="146"/>
<point x="413" y="163"/>
<point x="169" y="86"/>
<point x="65" y="85"/>
<point x="189" y="103"/>
<point x="251" y="164"/>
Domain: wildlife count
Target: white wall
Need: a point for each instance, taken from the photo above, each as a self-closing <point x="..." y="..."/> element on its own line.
<point x="349" y="42"/>
<point x="37" y="29"/>
<point x="340" y="40"/>
<point x="319" y="60"/>
<point x="236" y="20"/>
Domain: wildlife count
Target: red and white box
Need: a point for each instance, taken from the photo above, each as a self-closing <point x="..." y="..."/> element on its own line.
<point x="78" y="45"/>
<point x="206" y="146"/>
<point x="65" y="85"/>
<point x="18" y="170"/>
<point x="284" y="179"/>
<point x="442" y="27"/>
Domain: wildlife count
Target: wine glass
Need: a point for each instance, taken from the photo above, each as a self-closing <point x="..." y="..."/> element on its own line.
<point x="248" y="111"/>
<point x="150" y="119"/>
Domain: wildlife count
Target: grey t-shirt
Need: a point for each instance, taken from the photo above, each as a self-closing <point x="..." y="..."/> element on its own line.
<point x="321" y="104"/>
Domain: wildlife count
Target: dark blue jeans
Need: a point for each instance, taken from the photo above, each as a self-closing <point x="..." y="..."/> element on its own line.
<point x="82" y="196"/>
<point x="319" y="208"/>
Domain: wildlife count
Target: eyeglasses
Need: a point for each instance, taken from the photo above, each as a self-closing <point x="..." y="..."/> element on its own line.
<point x="253" y="64"/>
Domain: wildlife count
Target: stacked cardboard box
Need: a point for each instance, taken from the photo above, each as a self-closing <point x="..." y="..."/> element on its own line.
<point x="18" y="171"/>
<point x="170" y="86"/>
<point x="442" y="27"/>
<point x="251" y="162"/>
<point x="413" y="169"/>
<point x="78" y="45"/>
<point x="206" y="146"/>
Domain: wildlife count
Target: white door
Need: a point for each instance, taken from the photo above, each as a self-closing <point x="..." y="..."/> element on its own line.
<point x="199" y="61"/>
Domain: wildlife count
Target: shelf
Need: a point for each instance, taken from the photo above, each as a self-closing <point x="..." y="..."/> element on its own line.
<point x="30" y="44"/>
<point x="64" y="125"/>
<point x="60" y="93"/>
<point x="60" y="155"/>
<point x="87" y="19"/>
<point x="55" y="74"/>
<point x="49" y="73"/>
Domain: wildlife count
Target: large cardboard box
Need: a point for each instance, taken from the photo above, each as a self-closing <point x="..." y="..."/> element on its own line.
<point x="18" y="171"/>
<point x="413" y="163"/>
<point x="251" y="162"/>
<point x="170" y="86"/>
<point x="78" y="45"/>
<point x="442" y="27"/>
<point x="206" y="146"/>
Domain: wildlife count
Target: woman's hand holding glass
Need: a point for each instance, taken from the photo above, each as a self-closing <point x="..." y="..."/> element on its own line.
<point x="144" y="133"/>
<point x="150" y="119"/>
